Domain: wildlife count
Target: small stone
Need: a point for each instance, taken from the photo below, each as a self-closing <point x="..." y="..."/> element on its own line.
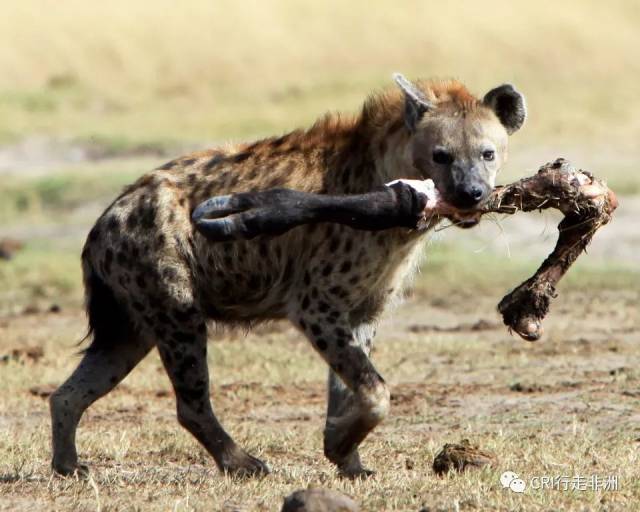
<point x="318" y="500"/>
<point x="519" y="387"/>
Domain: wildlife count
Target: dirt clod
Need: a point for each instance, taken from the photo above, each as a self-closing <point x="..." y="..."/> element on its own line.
<point x="459" y="457"/>
<point x="31" y="309"/>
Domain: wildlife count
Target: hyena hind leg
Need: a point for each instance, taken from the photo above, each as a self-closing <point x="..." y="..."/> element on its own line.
<point x="99" y="371"/>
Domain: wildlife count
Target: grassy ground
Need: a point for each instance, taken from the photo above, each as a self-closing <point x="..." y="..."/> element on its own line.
<point x="564" y="406"/>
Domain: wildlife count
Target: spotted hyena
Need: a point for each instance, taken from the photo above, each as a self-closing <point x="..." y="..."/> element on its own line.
<point x="152" y="281"/>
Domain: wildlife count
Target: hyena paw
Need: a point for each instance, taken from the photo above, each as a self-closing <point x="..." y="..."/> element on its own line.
<point x="69" y="469"/>
<point x="351" y="467"/>
<point x="243" y="465"/>
<point x="341" y="439"/>
<point x="355" y="473"/>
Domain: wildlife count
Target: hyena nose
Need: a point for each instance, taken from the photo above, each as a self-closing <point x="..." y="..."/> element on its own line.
<point x="476" y="193"/>
<point x="469" y="196"/>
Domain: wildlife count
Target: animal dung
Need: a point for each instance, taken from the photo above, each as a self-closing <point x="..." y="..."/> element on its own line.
<point x="460" y="457"/>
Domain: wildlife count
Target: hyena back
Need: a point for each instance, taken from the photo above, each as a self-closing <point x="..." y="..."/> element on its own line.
<point x="152" y="281"/>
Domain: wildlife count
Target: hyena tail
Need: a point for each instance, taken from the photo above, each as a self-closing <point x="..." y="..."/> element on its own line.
<point x="109" y="321"/>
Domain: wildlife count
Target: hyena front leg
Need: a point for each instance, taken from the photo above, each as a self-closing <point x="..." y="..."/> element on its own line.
<point x="339" y="394"/>
<point x="352" y="415"/>
<point x="184" y="354"/>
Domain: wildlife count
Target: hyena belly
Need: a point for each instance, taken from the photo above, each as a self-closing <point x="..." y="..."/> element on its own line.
<point x="248" y="281"/>
<point x="332" y="267"/>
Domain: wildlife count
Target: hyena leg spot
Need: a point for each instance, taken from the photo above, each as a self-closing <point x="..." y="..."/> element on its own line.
<point x="64" y="420"/>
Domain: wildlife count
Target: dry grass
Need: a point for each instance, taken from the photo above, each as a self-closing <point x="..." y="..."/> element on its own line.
<point x="575" y="414"/>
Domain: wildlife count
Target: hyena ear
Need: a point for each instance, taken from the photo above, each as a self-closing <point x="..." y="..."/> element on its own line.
<point x="509" y="105"/>
<point x="416" y="104"/>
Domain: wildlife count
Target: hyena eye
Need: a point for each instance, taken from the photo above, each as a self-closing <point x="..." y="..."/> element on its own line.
<point x="488" y="155"/>
<point x="440" y="156"/>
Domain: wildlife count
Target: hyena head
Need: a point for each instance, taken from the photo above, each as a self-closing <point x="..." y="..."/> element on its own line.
<point x="457" y="140"/>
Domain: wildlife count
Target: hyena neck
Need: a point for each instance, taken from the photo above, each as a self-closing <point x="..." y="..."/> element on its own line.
<point x="375" y="152"/>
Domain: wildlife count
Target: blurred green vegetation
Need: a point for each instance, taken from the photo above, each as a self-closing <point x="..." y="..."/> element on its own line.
<point x="40" y="276"/>
<point x="52" y="196"/>
<point x="450" y="270"/>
